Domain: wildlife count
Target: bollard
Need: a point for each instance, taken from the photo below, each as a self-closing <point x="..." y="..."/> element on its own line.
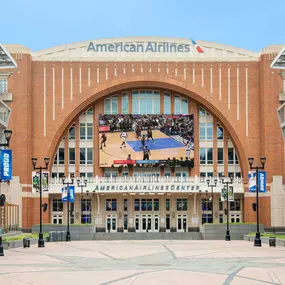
<point x="272" y="241"/>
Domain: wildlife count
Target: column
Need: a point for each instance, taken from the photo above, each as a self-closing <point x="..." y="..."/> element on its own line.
<point x="162" y="213"/>
<point x="77" y="148"/>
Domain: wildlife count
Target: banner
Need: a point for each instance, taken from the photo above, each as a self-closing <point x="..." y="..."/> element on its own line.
<point x="224" y="194"/>
<point x="5" y="164"/>
<point x="252" y="181"/>
<point x="64" y="194"/>
<point x="36" y="180"/>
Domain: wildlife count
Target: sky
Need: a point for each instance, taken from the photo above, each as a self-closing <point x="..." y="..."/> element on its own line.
<point x="248" y="24"/>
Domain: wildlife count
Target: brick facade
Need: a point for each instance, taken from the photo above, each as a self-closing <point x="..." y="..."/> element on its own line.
<point x="49" y="95"/>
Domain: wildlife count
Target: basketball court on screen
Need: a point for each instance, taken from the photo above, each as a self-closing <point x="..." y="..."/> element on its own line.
<point x="162" y="147"/>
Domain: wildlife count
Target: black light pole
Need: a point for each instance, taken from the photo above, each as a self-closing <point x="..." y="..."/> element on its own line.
<point x="7" y="134"/>
<point x="68" y="237"/>
<point x="81" y="183"/>
<point x="257" y="240"/>
<point x="41" y="242"/>
<point x="212" y="183"/>
<point x="228" y="237"/>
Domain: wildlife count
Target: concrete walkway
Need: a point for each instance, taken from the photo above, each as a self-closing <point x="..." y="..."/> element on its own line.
<point x="144" y="262"/>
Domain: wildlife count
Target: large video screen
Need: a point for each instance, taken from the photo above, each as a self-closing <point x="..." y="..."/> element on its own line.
<point x="145" y="139"/>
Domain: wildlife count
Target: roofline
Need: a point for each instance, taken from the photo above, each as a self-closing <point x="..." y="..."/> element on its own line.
<point x="276" y="58"/>
<point x="10" y="57"/>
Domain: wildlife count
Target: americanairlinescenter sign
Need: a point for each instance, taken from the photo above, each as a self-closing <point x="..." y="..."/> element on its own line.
<point x="120" y="187"/>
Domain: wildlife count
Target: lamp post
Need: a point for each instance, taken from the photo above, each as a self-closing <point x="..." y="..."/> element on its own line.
<point x="81" y="183"/>
<point x="68" y="237"/>
<point x="227" y="182"/>
<point x="41" y="242"/>
<point x="257" y="240"/>
<point x="7" y="135"/>
<point x="212" y="183"/>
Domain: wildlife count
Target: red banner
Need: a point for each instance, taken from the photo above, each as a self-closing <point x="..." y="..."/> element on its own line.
<point x="124" y="162"/>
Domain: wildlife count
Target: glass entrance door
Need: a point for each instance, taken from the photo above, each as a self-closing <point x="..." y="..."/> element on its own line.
<point x="111" y="223"/>
<point x="145" y="224"/>
<point x="156" y="223"/>
<point x="167" y="223"/>
<point x="181" y="223"/>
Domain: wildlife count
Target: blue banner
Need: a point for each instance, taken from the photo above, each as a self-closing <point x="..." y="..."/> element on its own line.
<point x="5" y="164"/>
<point x="64" y="193"/>
<point x="147" y="161"/>
<point x="261" y="181"/>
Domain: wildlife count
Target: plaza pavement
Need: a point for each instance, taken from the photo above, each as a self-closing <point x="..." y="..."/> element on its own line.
<point x="144" y="262"/>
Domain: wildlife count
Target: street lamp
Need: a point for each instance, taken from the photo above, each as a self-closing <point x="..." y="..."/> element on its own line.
<point x="257" y="240"/>
<point x="8" y="135"/>
<point x="41" y="242"/>
<point x="227" y="182"/>
<point x="81" y="183"/>
<point x="68" y="237"/>
<point x="212" y="183"/>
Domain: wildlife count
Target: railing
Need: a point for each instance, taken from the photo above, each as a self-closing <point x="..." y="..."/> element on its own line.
<point x="9" y="217"/>
<point x="148" y="179"/>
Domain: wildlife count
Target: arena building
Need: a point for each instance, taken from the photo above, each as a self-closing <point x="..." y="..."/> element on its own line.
<point x="88" y="105"/>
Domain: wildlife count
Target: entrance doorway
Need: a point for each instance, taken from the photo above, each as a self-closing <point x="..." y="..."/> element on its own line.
<point x="111" y="223"/>
<point x="167" y="223"/>
<point x="181" y="223"/>
<point x="147" y="223"/>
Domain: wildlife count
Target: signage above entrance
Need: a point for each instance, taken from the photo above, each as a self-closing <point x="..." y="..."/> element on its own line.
<point x="150" y="46"/>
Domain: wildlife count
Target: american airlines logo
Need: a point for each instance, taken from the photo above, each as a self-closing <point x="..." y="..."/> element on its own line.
<point x="155" y="47"/>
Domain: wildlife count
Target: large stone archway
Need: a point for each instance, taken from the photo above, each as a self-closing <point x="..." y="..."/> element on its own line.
<point x="189" y="90"/>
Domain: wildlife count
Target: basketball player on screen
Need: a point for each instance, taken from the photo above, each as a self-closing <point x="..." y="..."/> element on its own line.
<point x="123" y="136"/>
<point x="103" y="140"/>
<point x="149" y="134"/>
<point x="188" y="148"/>
<point x="146" y="153"/>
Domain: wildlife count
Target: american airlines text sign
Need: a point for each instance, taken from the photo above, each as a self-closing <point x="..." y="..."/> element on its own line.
<point x="153" y="187"/>
<point x="5" y="164"/>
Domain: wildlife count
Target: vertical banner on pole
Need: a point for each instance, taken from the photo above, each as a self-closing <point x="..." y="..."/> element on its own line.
<point x="5" y="164"/>
<point x="261" y="180"/>
<point x="36" y="180"/>
<point x="224" y="194"/>
<point x="64" y="194"/>
<point x="231" y="194"/>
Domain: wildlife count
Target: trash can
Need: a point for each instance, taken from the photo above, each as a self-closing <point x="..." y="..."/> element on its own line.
<point x="63" y="235"/>
<point x="58" y="236"/>
<point x="52" y="236"/>
<point x="26" y="242"/>
<point x="272" y="241"/>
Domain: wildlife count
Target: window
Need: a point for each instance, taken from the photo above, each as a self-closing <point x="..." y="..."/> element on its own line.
<point x="146" y="102"/>
<point x="221" y="218"/>
<point x="202" y="113"/>
<point x="57" y="205"/>
<point x="220" y="155"/>
<point x="236" y="158"/>
<point x="71" y="216"/>
<point x="180" y="105"/>
<point x="235" y="205"/>
<point x="111" y="204"/>
<point x="111" y="105"/>
<point x="206" y="155"/>
<point x="202" y="155"/>
<point x="86" y="210"/>
<point x="167" y="205"/>
<point x="206" y="131"/>
<point x="57" y="219"/>
<point x="3" y="85"/>
<point x="238" y="174"/>
<point x="86" y="131"/>
<point x="167" y="103"/>
<point x="125" y="222"/>
<point x="207" y="218"/>
<point x="181" y="204"/>
<point x="89" y="111"/>
<point x="209" y="155"/>
<point x="137" y="204"/>
<point x="71" y="155"/>
<point x="86" y="155"/>
<point x="125" y="204"/>
<point x="71" y="135"/>
<point x="156" y="205"/>
<point x="220" y="132"/>
<point x="221" y="205"/>
<point x="125" y="103"/>
<point x="206" y="205"/>
<point x="230" y="155"/>
<point x="59" y="156"/>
